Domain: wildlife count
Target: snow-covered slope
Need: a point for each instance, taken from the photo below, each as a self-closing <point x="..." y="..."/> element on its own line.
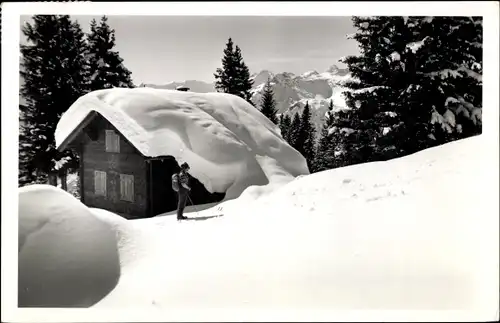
<point x="291" y="91"/>
<point x="409" y="234"/>
<point x="228" y="143"/>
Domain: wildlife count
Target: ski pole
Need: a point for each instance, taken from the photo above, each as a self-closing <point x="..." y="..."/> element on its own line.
<point x="189" y="198"/>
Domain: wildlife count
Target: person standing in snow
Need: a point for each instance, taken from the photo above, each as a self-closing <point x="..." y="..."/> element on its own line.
<point x="180" y="184"/>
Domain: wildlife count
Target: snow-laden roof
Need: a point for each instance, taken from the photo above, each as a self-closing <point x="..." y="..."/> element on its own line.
<point x="221" y="136"/>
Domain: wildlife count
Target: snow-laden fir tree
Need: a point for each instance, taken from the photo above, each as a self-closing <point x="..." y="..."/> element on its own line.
<point x="447" y="58"/>
<point x="416" y="84"/>
<point x="54" y="74"/>
<point x="105" y="62"/>
<point x="234" y="76"/>
<point x="268" y="104"/>
<point x="374" y="88"/>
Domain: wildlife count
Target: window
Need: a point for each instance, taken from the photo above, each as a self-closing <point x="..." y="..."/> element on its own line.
<point x="112" y="142"/>
<point x="127" y="187"/>
<point x="100" y="183"/>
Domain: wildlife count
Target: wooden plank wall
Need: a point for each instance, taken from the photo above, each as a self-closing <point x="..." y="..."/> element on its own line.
<point x="128" y="161"/>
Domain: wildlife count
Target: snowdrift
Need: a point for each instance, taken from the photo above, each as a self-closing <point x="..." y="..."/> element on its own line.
<point x="407" y="234"/>
<point x="67" y="256"/>
<point x="221" y="136"/>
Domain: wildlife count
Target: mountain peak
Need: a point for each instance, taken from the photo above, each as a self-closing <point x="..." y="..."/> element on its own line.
<point x="310" y="73"/>
<point x="333" y="69"/>
<point x="284" y="76"/>
<point x="263" y="72"/>
<point x="261" y="77"/>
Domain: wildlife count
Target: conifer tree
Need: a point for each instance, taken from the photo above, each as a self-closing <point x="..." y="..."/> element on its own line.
<point x="54" y="73"/>
<point x="243" y="81"/>
<point x="375" y="87"/>
<point x="447" y="58"/>
<point x="105" y="62"/>
<point x="268" y="104"/>
<point x="325" y="151"/>
<point x="416" y="84"/>
<point x="306" y="142"/>
<point x="294" y="131"/>
<point x="285" y="124"/>
<point x="225" y="76"/>
<point x="234" y="76"/>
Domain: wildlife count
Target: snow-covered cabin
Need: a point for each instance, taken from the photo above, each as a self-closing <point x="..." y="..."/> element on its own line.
<point x="116" y="176"/>
<point x="130" y="142"/>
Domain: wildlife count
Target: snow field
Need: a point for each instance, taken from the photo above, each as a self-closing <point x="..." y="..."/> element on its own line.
<point x="407" y="234"/>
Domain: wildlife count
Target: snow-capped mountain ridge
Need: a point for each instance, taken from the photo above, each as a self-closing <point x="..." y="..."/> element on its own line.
<point x="309" y="73"/>
<point x="292" y="92"/>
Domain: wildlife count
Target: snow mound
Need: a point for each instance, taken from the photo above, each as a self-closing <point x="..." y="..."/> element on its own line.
<point x="67" y="256"/>
<point x="220" y="135"/>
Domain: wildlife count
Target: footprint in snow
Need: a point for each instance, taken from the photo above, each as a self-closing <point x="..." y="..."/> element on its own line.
<point x="374" y="199"/>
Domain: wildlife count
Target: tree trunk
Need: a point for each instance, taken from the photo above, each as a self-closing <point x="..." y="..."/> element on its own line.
<point x="64" y="181"/>
<point x="52" y="179"/>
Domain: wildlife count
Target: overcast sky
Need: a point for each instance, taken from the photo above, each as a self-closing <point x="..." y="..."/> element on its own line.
<point x="160" y="49"/>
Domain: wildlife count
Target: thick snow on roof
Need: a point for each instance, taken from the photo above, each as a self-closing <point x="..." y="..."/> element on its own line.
<point x="219" y="135"/>
<point x="414" y="233"/>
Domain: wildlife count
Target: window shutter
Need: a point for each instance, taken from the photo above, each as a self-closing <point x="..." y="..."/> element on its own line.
<point x="127" y="187"/>
<point x="112" y="142"/>
<point x="122" y="187"/>
<point x="100" y="183"/>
